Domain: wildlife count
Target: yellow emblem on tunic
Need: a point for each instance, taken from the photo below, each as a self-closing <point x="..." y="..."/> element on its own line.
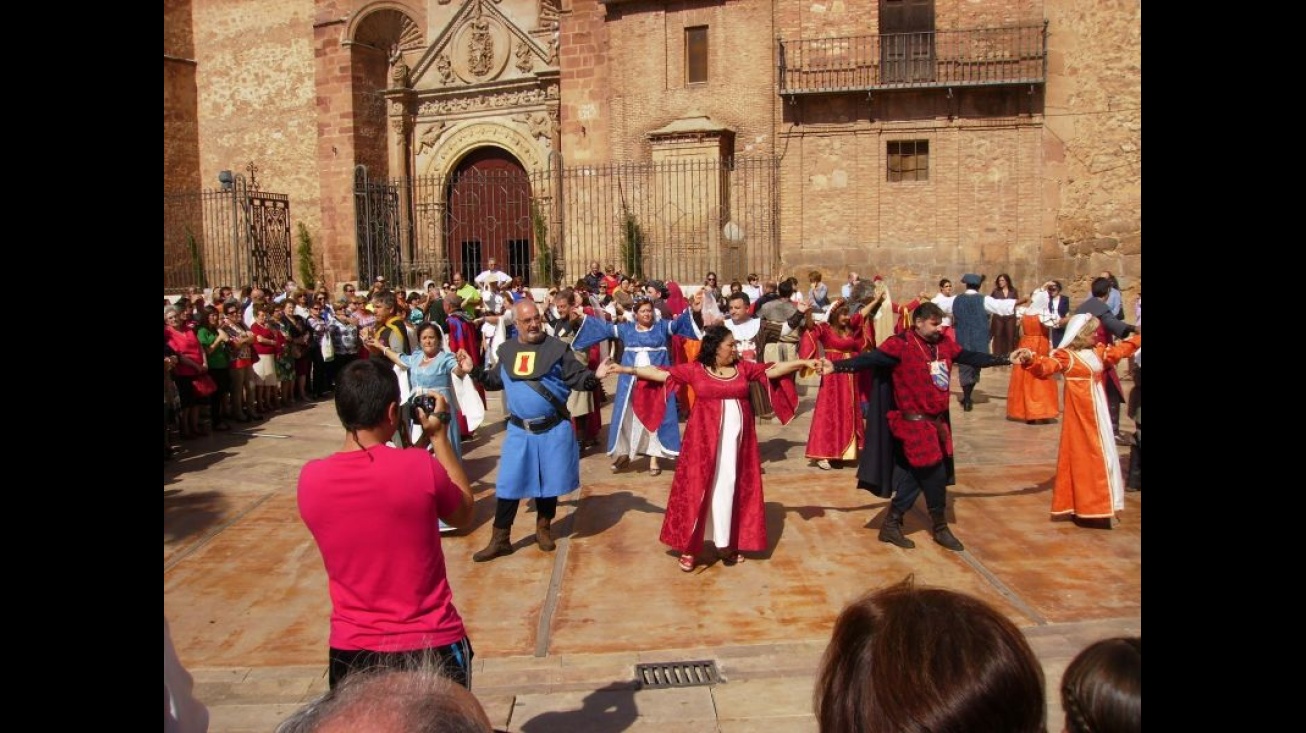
<point x="524" y="364"/>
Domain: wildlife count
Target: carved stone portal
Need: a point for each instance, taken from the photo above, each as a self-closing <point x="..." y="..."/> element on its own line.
<point x="480" y="50"/>
<point x="465" y="139"/>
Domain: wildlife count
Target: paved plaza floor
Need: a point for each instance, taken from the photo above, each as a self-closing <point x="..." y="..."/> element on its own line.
<point x="557" y="635"/>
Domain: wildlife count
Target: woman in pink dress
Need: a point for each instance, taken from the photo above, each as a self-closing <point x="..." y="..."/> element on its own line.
<point x="716" y="494"/>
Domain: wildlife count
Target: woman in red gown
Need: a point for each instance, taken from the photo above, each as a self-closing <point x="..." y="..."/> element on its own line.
<point x="716" y="494"/>
<point x="838" y="430"/>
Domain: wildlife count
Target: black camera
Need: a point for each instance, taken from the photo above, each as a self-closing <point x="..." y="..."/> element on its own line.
<point x="424" y="401"/>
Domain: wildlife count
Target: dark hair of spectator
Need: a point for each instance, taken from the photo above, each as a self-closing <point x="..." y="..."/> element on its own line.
<point x="712" y="338"/>
<point x="1102" y="689"/>
<point x="904" y="658"/>
<point x="740" y="296"/>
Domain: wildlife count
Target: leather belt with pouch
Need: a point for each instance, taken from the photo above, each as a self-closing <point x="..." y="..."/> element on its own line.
<point x="538" y="425"/>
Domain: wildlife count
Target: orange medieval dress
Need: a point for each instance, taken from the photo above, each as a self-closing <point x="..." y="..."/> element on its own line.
<point x="1089" y="483"/>
<point x="1029" y="398"/>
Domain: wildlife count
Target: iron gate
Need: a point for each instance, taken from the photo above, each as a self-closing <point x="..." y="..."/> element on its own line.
<point x="226" y="237"/>
<point x="376" y="206"/>
<point x="671" y="221"/>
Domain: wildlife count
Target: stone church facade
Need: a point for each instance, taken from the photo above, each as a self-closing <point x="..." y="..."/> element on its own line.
<point x="916" y="139"/>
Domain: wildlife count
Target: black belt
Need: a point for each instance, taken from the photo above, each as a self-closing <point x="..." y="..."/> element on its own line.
<point x="914" y="416"/>
<point x="537" y="425"/>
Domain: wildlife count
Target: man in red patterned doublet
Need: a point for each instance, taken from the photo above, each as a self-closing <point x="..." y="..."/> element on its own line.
<point x="917" y="364"/>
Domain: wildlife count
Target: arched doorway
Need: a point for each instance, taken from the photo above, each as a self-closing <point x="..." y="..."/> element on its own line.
<point x="489" y="215"/>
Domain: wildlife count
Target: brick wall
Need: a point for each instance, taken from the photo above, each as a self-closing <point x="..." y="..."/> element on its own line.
<point x="181" y="143"/>
<point x="586" y="109"/>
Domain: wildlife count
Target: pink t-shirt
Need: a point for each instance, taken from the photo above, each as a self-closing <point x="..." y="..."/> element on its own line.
<point x="375" y="516"/>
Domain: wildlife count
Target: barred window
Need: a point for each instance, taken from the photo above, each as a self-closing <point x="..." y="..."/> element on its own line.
<point x="909" y="160"/>
<point x="696" y="55"/>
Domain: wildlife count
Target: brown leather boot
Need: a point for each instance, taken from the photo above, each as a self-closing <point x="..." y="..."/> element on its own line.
<point x="943" y="535"/>
<point x="891" y="531"/>
<point x="499" y="546"/>
<point x="542" y="537"/>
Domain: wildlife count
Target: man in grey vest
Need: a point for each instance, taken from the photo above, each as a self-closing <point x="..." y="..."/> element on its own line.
<point x="970" y="323"/>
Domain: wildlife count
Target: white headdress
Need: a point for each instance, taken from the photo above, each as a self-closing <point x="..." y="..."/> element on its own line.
<point x="1038" y="304"/>
<point x="1073" y="328"/>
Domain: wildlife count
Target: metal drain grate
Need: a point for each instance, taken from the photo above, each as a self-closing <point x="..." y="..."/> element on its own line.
<point x="676" y="674"/>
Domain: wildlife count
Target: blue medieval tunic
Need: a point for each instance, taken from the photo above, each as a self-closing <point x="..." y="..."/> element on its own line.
<point x="627" y="434"/>
<point x="544" y="464"/>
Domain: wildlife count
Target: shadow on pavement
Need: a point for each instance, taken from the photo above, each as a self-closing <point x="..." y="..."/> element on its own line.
<point x="608" y="709"/>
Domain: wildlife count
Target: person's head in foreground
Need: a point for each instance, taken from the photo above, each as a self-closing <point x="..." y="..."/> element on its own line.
<point x="913" y="659"/>
<point x="392" y="701"/>
<point x="1102" y="689"/>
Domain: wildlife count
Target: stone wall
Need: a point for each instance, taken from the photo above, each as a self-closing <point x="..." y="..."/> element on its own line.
<point x="255" y="79"/>
<point x="1093" y="145"/>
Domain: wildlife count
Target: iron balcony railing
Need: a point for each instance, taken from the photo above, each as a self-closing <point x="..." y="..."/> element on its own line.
<point x="977" y="57"/>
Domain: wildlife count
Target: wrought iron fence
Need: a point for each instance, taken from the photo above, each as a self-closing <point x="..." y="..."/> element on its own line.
<point x="217" y="237"/>
<point x="672" y="221"/>
<point x="976" y="57"/>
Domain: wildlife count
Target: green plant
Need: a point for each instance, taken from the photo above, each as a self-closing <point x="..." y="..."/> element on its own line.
<point x="307" y="264"/>
<point x="543" y="254"/>
<point x="196" y="259"/>
<point x="632" y="245"/>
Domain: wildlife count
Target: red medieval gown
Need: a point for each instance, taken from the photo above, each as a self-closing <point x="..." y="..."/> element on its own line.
<point x="717" y="490"/>
<point x="838" y="429"/>
<point x="463" y="334"/>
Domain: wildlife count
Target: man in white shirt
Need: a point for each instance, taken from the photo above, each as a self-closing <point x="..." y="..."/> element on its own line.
<point x="492" y="272"/>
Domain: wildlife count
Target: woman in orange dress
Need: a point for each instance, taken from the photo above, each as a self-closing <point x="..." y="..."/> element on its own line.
<point x="1089" y="484"/>
<point x="1029" y="398"/>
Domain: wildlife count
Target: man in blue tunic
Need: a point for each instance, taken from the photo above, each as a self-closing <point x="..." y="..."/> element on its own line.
<point x="540" y="459"/>
<point x="970" y="323"/>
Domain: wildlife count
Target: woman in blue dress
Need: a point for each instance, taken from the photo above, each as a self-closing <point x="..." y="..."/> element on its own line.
<point x="644" y="342"/>
<point x="429" y="372"/>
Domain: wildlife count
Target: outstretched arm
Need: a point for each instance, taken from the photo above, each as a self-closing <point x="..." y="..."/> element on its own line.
<point x="650" y="373"/>
<point x="376" y="345"/>
<point x="781" y="368"/>
<point x="865" y="360"/>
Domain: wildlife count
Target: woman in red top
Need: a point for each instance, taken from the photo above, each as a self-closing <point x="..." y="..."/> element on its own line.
<point x="190" y="365"/>
<point x="267" y="344"/>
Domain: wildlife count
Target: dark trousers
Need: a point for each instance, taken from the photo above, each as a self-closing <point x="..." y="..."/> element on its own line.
<point x="910" y="482"/>
<point x="323" y="373"/>
<point x="453" y="661"/>
<point x="505" y="510"/>
<point x="1113" y="400"/>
